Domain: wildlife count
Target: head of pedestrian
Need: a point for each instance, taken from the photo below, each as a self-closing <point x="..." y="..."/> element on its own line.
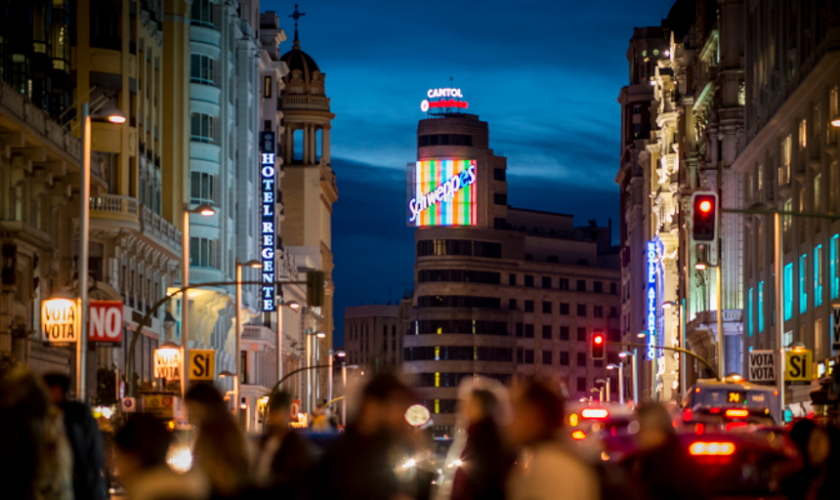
<point x="140" y="445"/>
<point x="480" y="405"/>
<point x="279" y="411"/>
<point x="58" y="385"/>
<point x="205" y="403"/>
<point x="537" y="414"/>
<point x="382" y="408"/>
<point x="655" y="426"/>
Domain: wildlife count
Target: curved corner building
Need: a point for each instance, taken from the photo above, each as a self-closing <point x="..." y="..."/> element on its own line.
<point x="499" y="292"/>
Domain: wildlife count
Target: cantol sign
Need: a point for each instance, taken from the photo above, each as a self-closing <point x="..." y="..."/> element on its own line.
<point x="448" y="98"/>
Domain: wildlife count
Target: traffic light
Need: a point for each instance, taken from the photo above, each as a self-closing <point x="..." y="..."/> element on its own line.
<point x="598" y="345"/>
<point x="704" y="217"/>
<point x="315" y="288"/>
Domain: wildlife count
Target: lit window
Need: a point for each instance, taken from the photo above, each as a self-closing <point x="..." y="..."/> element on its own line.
<point x="803" y="293"/>
<point x="818" y="275"/>
<point x="761" y="307"/>
<point x="835" y="253"/>
<point x="750" y="313"/>
<point x="788" y="287"/>
<point x="803" y="134"/>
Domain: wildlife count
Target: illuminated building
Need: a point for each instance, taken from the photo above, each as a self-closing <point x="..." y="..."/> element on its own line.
<point x="373" y="337"/>
<point x="308" y="187"/>
<point x="500" y="292"/>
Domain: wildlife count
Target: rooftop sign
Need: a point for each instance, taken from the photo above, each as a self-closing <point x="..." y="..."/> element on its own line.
<point x="448" y="99"/>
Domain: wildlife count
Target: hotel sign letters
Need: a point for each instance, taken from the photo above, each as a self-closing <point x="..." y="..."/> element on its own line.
<point x="268" y="189"/>
<point x="652" y="259"/>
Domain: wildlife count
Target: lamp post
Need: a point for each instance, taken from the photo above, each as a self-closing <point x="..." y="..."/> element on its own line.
<point x="207" y="211"/>
<point x="670" y="304"/>
<point x="255" y="264"/>
<point x="701" y="265"/>
<point x="620" y="368"/>
<point x="635" y="374"/>
<point x="605" y="382"/>
<point x="294" y="306"/>
<point x="113" y="115"/>
<point x="342" y="354"/>
<point x="310" y="347"/>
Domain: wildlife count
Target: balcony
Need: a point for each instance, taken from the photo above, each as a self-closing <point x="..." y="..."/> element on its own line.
<point x="258" y="335"/>
<point x="117" y="213"/>
<point x="305" y="102"/>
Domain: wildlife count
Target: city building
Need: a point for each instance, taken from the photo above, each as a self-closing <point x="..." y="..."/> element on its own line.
<point x="789" y="162"/>
<point x="681" y="116"/>
<point x="373" y="337"/>
<point x="500" y="292"/>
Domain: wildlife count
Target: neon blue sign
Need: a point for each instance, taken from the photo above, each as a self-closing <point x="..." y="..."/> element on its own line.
<point x="267" y="232"/>
<point x="654" y="248"/>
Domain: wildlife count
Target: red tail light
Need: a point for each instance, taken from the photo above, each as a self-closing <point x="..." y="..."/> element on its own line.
<point x="594" y="413"/>
<point x="736" y="413"/>
<point x="715" y="448"/>
<point x="714" y="410"/>
<point x="687" y="414"/>
<point x="578" y="435"/>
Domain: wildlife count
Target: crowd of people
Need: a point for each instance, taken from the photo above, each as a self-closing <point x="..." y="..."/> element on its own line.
<point x="512" y="448"/>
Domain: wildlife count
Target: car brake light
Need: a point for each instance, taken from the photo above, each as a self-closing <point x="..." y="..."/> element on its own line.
<point x="702" y="448"/>
<point x="687" y="414"/>
<point x="578" y="435"/>
<point x="594" y="413"/>
<point x="714" y="410"/>
<point x="734" y="413"/>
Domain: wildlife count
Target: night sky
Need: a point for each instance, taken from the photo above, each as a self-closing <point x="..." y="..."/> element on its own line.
<point x="545" y="76"/>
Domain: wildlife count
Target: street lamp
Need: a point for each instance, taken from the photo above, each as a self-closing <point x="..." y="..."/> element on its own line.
<point x="294" y="306"/>
<point x="226" y="373"/>
<point x="635" y="374"/>
<point x="207" y="211"/>
<point x="701" y="265"/>
<point x="254" y="264"/>
<point x="668" y="304"/>
<point x="620" y="368"/>
<point x="309" y="377"/>
<point x="604" y="382"/>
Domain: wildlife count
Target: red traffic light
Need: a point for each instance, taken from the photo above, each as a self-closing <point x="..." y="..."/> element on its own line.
<point x="598" y="346"/>
<point x="598" y="339"/>
<point x="705" y="206"/>
<point x="704" y="219"/>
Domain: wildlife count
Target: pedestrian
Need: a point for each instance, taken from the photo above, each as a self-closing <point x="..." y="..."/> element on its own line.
<point x="284" y="455"/>
<point x="662" y="468"/>
<point x="140" y="448"/>
<point x="36" y="462"/>
<point x="221" y="450"/>
<point x="547" y="465"/>
<point x="485" y="461"/>
<point x="360" y="464"/>
<point x="84" y="437"/>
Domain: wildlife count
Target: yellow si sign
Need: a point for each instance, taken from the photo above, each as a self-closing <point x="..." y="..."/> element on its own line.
<point x="202" y="364"/>
<point x="799" y="366"/>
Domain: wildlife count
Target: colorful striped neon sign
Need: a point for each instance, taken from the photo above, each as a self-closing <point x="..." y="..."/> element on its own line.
<point x="444" y="193"/>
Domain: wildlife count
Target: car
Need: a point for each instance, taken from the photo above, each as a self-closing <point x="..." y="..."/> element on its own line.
<point x="729" y="419"/>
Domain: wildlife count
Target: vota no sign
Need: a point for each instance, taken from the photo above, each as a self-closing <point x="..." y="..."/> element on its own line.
<point x="267" y="232"/>
<point x="444" y="193"/>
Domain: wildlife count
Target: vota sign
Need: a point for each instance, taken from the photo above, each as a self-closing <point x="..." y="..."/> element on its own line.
<point x="653" y="267"/>
<point x="444" y="193"/>
<point x="448" y="99"/>
<point x="267" y="232"/>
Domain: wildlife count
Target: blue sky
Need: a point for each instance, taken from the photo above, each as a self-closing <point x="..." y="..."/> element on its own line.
<point x="545" y="75"/>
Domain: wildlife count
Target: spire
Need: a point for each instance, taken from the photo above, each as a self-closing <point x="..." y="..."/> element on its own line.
<point x="297" y="15"/>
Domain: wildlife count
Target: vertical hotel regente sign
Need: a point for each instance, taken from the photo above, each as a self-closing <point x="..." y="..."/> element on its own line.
<point x="444" y="193"/>
<point x="267" y="232"/>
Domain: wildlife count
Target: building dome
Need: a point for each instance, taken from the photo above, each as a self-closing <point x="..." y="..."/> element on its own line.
<point x="297" y="59"/>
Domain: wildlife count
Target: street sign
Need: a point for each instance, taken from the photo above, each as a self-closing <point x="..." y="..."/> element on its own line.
<point x="129" y="405"/>
<point x="202" y="364"/>
<point x="762" y="366"/>
<point x="168" y="363"/>
<point x="294" y="410"/>
<point x="106" y="321"/>
<point x="165" y="406"/>
<point x="59" y="321"/>
<point x="799" y="366"/>
<point x="835" y="328"/>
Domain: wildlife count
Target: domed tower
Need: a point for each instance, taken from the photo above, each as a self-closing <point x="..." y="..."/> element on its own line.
<point x="308" y="186"/>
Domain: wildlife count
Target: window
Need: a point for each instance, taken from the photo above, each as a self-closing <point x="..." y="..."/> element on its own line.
<point x="529" y="306"/>
<point x="599" y="311"/>
<point x="546" y="355"/>
<point x="512" y="304"/>
<point x="613" y="312"/>
<point x="529" y="331"/>
<point x="512" y="279"/>
<point x="599" y="287"/>
<point x="803" y="134"/>
<point x="202" y="13"/>
<point x="202" y="128"/>
<point x="267" y="87"/>
<point x="750" y="313"/>
<point x="499" y="174"/>
<point x="788" y="290"/>
<point x="459" y="301"/>
<point x="500" y="198"/>
<point x="581" y="359"/>
<point x="546" y="329"/>
<point x="761" y="307"/>
<point x="459" y="247"/>
<point x="204" y="252"/>
<point x="818" y="276"/>
<point x="529" y="356"/>
<point x="581" y="334"/>
<point x="613" y="288"/>
<point x="564" y="283"/>
<point x="818" y="334"/>
<point x="817" y="198"/>
<point x="581" y="285"/>
<point x="803" y="292"/>
<point x="564" y="333"/>
<point x="547" y="307"/>
<point x="459" y="275"/>
<point x="784" y="167"/>
<point x="835" y="266"/>
<point x="760" y="177"/>
<point x="581" y="384"/>
<point x="564" y="309"/>
<point x="520" y="355"/>
<point x="529" y="280"/>
<point x="581" y="310"/>
<point x="445" y="140"/>
<point x="203" y="69"/>
<point x="203" y="188"/>
<point x="564" y="358"/>
<point x="520" y="330"/>
<point x="546" y="282"/>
